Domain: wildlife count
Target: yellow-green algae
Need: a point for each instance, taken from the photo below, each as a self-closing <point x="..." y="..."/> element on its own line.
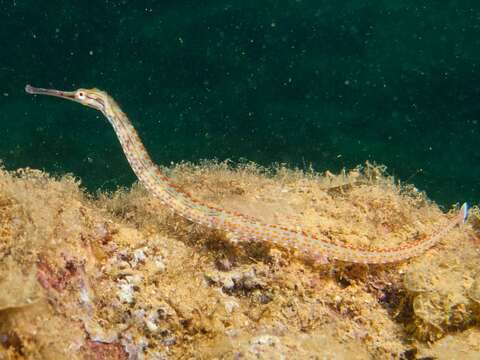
<point x="118" y="275"/>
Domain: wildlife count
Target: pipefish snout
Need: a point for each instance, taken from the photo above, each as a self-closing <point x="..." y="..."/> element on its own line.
<point x="241" y="226"/>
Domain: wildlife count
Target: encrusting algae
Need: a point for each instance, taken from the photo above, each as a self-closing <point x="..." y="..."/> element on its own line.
<point x="119" y="276"/>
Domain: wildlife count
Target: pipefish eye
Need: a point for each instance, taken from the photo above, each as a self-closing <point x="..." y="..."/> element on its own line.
<point x="81" y="95"/>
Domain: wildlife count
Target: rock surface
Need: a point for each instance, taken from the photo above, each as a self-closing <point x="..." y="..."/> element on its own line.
<point x="119" y="276"/>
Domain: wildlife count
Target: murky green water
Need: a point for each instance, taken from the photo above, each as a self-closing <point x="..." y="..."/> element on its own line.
<point x="323" y="82"/>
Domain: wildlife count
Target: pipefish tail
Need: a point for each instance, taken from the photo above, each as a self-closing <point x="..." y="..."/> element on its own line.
<point x="240" y="226"/>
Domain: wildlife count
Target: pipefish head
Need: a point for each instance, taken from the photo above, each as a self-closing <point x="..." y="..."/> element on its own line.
<point x="93" y="98"/>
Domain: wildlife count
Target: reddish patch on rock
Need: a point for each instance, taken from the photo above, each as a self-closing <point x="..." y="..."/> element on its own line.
<point x="101" y="351"/>
<point x="51" y="278"/>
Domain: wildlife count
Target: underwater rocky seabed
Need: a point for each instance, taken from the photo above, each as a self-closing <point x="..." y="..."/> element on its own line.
<point x="118" y="276"/>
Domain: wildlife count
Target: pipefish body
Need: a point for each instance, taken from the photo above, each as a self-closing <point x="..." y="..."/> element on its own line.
<point x="241" y="226"/>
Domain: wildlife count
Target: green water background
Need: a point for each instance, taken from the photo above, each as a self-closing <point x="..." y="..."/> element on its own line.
<point x="327" y="83"/>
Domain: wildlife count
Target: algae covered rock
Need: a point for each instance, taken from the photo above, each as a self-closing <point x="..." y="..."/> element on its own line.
<point x="441" y="300"/>
<point x="128" y="279"/>
<point x="474" y="295"/>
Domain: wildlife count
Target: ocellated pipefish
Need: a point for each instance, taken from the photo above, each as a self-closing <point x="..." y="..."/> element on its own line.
<point x="242" y="227"/>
